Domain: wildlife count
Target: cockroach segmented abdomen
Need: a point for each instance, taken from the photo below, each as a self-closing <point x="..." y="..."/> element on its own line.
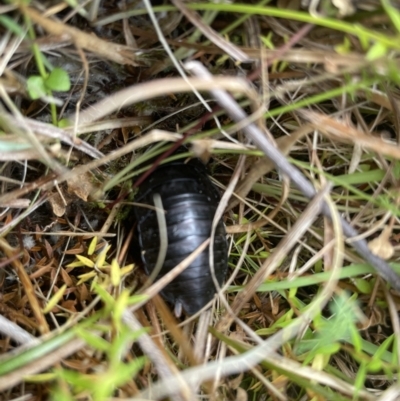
<point x="190" y="200"/>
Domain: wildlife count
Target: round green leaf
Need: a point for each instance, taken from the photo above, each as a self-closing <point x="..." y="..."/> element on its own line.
<point x="58" y="80"/>
<point x="36" y="87"/>
<point x="64" y="123"/>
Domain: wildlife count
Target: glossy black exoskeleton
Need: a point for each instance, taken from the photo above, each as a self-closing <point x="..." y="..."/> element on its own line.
<point x="190" y="200"/>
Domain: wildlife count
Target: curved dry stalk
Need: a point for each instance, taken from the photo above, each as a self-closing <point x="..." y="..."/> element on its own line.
<point x="18" y="334"/>
<point x="111" y="124"/>
<point x="148" y="90"/>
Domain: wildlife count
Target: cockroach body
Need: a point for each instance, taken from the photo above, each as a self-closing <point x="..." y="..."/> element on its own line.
<point x="189" y="200"/>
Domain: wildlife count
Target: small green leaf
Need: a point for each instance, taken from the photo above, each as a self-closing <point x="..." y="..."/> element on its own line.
<point x="396" y="169"/>
<point x="320" y="361"/>
<point x="120" y="306"/>
<point x="94" y="340"/>
<point x="378" y="50"/>
<point x="126" y="371"/>
<point x="85" y="277"/>
<point x="318" y="268"/>
<point x="364" y="39"/>
<point x="284" y="319"/>
<point x="36" y="87"/>
<point x="384" y="347"/>
<point x="40" y="378"/>
<point x="355" y="338"/>
<point x="76" y="264"/>
<point x="268" y="41"/>
<point x="86" y="261"/>
<point x="395" y="351"/>
<point x="127" y="269"/>
<point x="101" y="257"/>
<point x="363" y="286"/>
<point x="58" y="80"/>
<point x="345" y="47"/>
<point x="135" y="299"/>
<point x="104" y="295"/>
<point x="76" y="379"/>
<point x="64" y="123"/>
<point x="121" y="342"/>
<point x="92" y="246"/>
<point x="55" y="299"/>
<point x="393" y="72"/>
<point x="115" y="273"/>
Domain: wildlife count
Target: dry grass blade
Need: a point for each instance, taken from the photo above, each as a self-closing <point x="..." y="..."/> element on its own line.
<point x="340" y="132"/>
<point x="111" y="51"/>
<point x="214" y="37"/>
<point x="20" y="155"/>
<point x="111" y="124"/>
<point x="17" y="193"/>
<point x="172" y="325"/>
<point x="12" y="330"/>
<point x="148" y="90"/>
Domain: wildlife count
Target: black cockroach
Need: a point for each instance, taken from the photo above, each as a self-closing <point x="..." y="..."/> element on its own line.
<point x="189" y="200"/>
